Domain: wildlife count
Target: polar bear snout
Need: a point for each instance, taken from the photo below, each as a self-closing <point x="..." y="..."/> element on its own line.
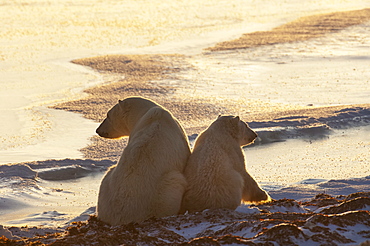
<point x="101" y="132"/>
<point x="250" y="138"/>
<point x="106" y="130"/>
<point x="247" y="135"/>
<point x="254" y="136"/>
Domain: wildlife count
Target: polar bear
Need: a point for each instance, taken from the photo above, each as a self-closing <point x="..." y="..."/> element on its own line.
<point x="215" y="171"/>
<point x="148" y="180"/>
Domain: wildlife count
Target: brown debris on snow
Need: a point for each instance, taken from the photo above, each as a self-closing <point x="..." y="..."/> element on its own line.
<point x="299" y="30"/>
<point x="225" y="227"/>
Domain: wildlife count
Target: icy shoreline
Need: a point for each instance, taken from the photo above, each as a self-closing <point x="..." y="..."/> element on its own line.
<point x="56" y="182"/>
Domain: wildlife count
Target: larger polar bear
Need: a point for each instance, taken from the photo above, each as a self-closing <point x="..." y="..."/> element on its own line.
<point x="148" y="180"/>
<point x="216" y="172"/>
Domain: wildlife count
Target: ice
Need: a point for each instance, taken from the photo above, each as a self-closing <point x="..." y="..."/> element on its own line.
<point x="284" y="206"/>
<point x="11" y="204"/>
<point x="17" y="170"/>
<point x="6" y="233"/>
<point x="331" y="187"/>
<point x="47" y="218"/>
<point x="246" y="209"/>
<point x="64" y="188"/>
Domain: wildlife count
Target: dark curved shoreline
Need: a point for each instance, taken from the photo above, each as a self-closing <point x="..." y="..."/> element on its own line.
<point x="302" y="29"/>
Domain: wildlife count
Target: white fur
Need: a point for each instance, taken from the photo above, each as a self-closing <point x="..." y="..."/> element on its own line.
<point x="216" y="172"/>
<point x="148" y="180"/>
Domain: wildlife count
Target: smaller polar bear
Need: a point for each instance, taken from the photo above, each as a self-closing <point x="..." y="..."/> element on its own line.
<point x="148" y="180"/>
<point x="216" y="172"/>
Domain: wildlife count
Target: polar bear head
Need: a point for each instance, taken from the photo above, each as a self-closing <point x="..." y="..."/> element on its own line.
<point x="237" y="129"/>
<point x="122" y="118"/>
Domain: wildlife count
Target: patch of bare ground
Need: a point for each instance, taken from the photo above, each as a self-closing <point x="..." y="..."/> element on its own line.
<point x="137" y="77"/>
<point x="299" y="30"/>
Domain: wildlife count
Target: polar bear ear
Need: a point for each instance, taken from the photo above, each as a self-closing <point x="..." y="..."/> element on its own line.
<point x="236" y="119"/>
<point x="121" y="103"/>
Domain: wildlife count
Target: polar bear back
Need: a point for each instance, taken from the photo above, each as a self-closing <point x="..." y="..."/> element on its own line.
<point x="215" y="171"/>
<point x="148" y="180"/>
